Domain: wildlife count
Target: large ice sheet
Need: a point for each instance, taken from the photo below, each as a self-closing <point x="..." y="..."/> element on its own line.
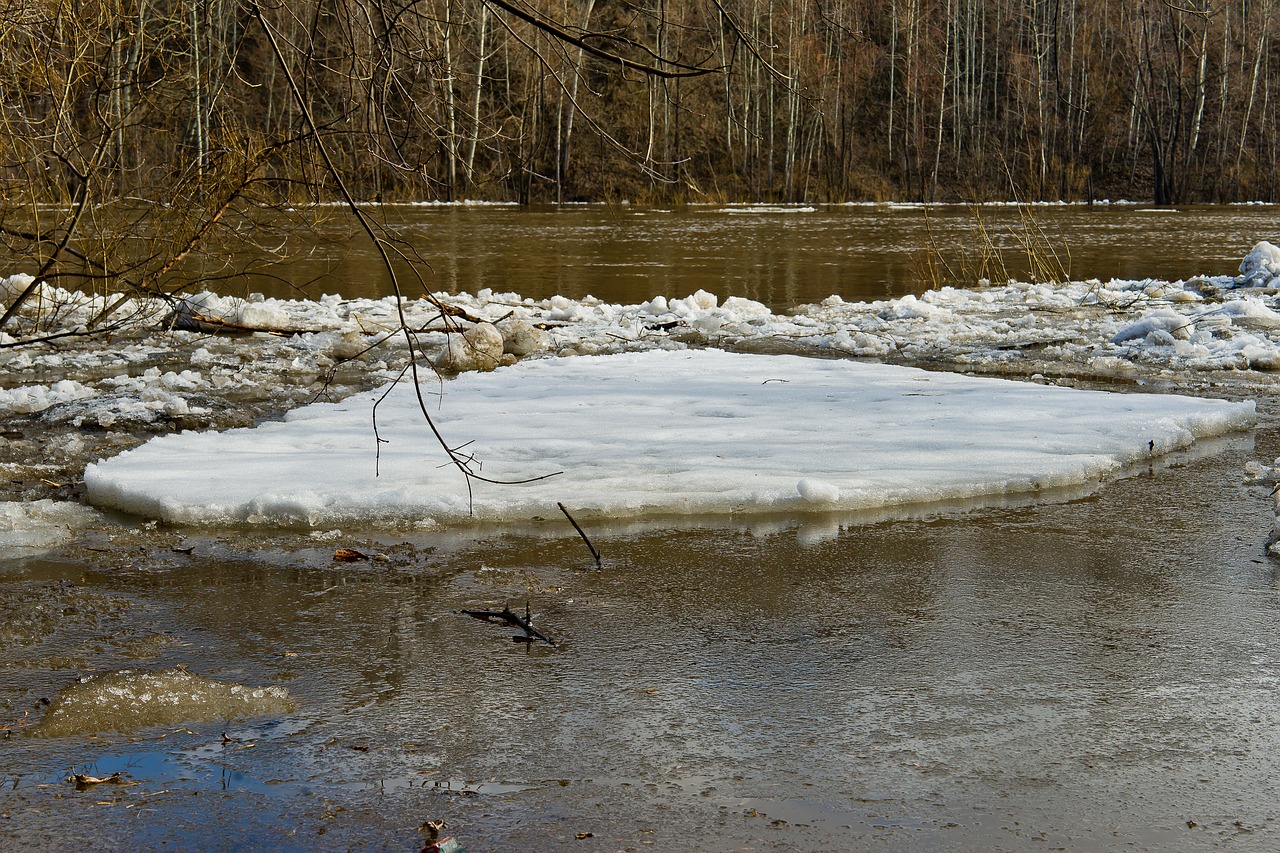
<point x="696" y="431"/>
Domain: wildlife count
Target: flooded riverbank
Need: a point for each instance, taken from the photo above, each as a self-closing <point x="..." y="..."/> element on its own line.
<point x="1080" y="669"/>
<point x="1077" y="674"/>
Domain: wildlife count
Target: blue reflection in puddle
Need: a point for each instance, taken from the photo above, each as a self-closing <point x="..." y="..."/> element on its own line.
<point x="205" y="766"/>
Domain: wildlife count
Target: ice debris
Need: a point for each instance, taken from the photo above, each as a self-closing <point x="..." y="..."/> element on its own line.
<point x="1262" y="264"/>
<point x="29" y="527"/>
<point x="149" y="378"/>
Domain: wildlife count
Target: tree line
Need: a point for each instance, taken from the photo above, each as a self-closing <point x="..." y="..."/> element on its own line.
<point x="218" y="103"/>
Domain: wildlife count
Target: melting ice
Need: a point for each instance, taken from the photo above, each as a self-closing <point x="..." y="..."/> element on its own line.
<point x="1192" y="333"/>
<point x="658" y="432"/>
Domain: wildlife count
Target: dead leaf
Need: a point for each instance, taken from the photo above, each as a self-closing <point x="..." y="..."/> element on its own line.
<point x="8" y="729"/>
<point x="349" y="555"/>
<point x="83" y="780"/>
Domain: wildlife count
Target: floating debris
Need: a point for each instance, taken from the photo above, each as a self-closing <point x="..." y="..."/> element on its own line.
<point x="510" y="617"/>
<point x="436" y="844"/>
<point x="83" y="781"/>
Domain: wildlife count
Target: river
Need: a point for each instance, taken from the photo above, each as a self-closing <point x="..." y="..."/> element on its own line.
<point x="781" y="256"/>
<point x="1071" y="672"/>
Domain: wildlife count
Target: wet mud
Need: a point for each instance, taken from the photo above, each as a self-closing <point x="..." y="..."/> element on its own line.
<point x="1084" y="673"/>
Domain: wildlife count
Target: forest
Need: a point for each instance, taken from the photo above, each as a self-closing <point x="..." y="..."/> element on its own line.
<point x="221" y="103"/>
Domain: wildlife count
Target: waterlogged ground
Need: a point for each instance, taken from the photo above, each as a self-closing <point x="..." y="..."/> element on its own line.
<point x="1083" y="673"/>
<point x="1072" y="671"/>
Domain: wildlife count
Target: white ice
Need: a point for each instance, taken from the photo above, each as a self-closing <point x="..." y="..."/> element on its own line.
<point x="1206" y="334"/>
<point x="28" y="528"/>
<point x="657" y="432"/>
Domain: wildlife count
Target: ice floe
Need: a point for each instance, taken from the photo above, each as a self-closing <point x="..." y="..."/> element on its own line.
<point x="652" y="433"/>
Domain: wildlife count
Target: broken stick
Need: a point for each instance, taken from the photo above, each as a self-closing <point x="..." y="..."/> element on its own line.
<point x="510" y="617"/>
<point x="578" y="528"/>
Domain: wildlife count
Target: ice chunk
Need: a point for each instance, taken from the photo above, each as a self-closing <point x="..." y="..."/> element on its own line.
<point x="818" y="491"/>
<point x="1264" y="257"/>
<point x="478" y="348"/>
<point x="1161" y="320"/>
<point x="258" y="315"/>
<point x="12" y="286"/>
<point x="1251" y="313"/>
<point x="911" y="308"/>
<point x="656" y="306"/>
<point x="521" y="339"/>
<point x="746" y="309"/>
<point x="694" y="304"/>
<point x="28" y="528"/>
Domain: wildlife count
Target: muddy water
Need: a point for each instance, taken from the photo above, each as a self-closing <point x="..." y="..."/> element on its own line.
<point x="1079" y="674"/>
<point x="780" y="256"/>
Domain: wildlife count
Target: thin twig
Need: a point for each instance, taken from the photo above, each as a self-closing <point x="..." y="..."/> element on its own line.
<point x="461" y="463"/>
<point x="578" y="528"/>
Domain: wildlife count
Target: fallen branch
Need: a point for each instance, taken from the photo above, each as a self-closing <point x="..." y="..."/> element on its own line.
<point x="510" y="617"/>
<point x="187" y="320"/>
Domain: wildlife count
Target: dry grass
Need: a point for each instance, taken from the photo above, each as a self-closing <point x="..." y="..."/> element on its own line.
<point x="986" y="252"/>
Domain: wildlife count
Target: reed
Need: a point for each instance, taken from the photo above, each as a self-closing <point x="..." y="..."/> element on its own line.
<point x="982" y="251"/>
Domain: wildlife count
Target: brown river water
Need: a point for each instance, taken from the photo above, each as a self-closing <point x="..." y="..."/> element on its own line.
<point x="1074" y="672"/>
<point x="780" y="256"/>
